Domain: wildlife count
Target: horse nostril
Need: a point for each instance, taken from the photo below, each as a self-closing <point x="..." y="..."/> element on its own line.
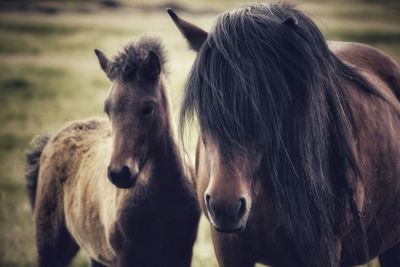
<point x="118" y="175"/>
<point x="242" y="208"/>
<point x="226" y="215"/>
<point x="125" y="173"/>
<point x="110" y="173"/>
<point x="208" y="197"/>
<point x="122" y="177"/>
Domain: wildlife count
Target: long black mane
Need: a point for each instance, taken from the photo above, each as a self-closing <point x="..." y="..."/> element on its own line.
<point x="266" y="76"/>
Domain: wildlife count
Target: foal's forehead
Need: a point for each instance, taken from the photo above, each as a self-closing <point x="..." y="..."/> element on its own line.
<point x="128" y="64"/>
<point x="133" y="88"/>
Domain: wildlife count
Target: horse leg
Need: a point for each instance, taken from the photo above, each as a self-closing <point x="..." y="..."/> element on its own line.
<point x="56" y="247"/>
<point x="391" y="257"/>
<point x="94" y="263"/>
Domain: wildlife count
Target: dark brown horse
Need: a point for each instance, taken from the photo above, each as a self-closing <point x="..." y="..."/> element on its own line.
<point x="148" y="214"/>
<point x="298" y="161"/>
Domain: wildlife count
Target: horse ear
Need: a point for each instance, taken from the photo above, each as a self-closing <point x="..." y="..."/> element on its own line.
<point x="103" y="60"/>
<point x="290" y="21"/>
<point x="193" y="34"/>
<point x="151" y="67"/>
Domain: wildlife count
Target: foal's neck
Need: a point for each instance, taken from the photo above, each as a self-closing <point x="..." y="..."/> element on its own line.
<point x="167" y="159"/>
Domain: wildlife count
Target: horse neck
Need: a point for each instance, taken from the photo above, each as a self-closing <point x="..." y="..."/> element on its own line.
<point x="167" y="159"/>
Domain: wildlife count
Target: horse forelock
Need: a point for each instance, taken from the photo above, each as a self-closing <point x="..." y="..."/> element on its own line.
<point x="127" y="63"/>
<point x="260" y="81"/>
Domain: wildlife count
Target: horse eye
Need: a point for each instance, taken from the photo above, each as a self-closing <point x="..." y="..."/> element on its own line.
<point x="147" y="109"/>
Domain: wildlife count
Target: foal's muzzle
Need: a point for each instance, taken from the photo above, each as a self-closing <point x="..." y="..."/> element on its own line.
<point x="122" y="177"/>
<point x="227" y="216"/>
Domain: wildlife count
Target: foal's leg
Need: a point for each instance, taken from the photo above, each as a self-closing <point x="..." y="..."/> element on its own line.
<point x="391" y="257"/>
<point x="55" y="245"/>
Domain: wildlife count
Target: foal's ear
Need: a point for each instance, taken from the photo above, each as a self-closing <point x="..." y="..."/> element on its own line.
<point x="151" y="67"/>
<point x="103" y="60"/>
<point x="290" y="21"/>
<point x="193" y="34"/>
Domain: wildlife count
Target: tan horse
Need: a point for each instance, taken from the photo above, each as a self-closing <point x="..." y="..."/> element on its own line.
<point x="148" y="214"/>
<point x="298" y="163"/>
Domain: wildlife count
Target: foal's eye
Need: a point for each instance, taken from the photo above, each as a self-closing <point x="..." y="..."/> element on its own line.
<point x="147" y="109"/>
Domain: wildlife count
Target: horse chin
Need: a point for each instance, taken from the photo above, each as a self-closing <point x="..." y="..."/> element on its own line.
<point x="230" y="230"/>
<point x="125" y="184"/>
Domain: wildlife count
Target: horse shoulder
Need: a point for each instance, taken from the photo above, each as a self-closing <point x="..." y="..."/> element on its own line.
<point x="377" y="142"/>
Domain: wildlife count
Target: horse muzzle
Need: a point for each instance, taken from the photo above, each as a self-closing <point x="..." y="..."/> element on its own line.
<point x="227" y="216"/>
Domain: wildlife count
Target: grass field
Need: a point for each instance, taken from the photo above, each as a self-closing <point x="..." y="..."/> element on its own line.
<point x="49" y="76"/>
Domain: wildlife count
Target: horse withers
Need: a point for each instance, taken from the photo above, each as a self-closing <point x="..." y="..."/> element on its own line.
<point x="145" y="213"/>
<point x="298" y="161"/>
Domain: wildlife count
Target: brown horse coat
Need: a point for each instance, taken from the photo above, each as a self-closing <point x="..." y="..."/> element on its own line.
<point x="379" y="138"/>
<point x="278" y="50"/>
<point x="377" y="147"/>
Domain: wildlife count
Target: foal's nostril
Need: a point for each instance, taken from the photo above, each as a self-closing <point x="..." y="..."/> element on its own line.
<point x="119" y="175"/>
<point x="110" y="173"/>
<point x="125" y="173"/>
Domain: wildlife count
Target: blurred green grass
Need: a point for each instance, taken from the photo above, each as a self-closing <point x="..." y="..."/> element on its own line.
<point x="49" y="75"/>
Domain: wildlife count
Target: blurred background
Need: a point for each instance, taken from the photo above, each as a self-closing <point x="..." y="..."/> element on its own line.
<point x="49" y="75"/>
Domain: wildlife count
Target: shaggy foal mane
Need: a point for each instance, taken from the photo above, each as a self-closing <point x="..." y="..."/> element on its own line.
<point x="266" y="77"/>
<point x="127" y="65"/>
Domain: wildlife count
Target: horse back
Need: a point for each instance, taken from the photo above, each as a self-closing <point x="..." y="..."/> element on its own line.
<point x="372" y="62"/>
<point x="64" y="152"/>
